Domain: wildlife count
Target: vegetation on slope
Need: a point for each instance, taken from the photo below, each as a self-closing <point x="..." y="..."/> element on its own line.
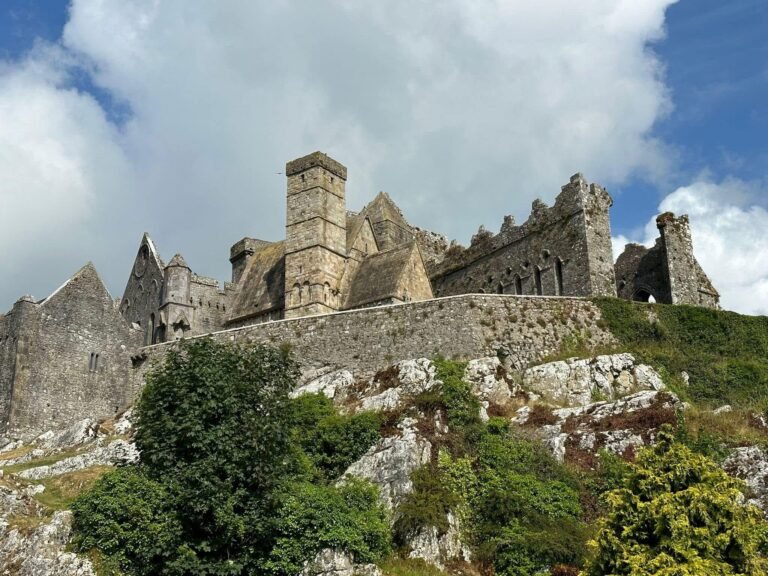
<point x="235" y="476"/>
<point x="724" y="354"/>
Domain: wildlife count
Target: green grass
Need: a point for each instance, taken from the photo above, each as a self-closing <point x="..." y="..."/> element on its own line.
<point x="396" y="566"/>
<point x="46" y="460"/>
<point x="725" y="354"/>
<point x="61" y="491"/>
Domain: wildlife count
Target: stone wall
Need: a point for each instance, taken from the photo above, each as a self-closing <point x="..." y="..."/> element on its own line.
<point x="72" y="358"/>
<point x="668" y="272"/>
<point x="521" y="330"/>
<point x="143" y="292"/>
<point x="563" y="250"/>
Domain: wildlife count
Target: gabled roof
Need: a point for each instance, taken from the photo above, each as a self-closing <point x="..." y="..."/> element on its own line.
<point x="87" y="273"/>
<point x="379" y="276"/>
<point x="177" y="261"/>
<point x="383" y="208"/>
<point x="262" y="286"/>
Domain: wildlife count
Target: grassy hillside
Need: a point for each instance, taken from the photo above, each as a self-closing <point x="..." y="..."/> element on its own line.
<point x="724" y="354"/>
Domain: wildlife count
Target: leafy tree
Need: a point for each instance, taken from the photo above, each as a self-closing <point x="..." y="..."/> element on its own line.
<point x="224" y="485"/>
<point x="678" y="514"/>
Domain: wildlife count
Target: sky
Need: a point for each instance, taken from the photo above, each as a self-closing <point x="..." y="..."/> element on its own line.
<point x="177" y="118"/>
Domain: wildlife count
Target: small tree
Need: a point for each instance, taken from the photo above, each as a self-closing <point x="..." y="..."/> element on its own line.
<point x="678" y="514"/>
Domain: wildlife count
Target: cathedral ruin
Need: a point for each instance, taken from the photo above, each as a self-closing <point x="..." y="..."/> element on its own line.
<point x="73" y="353"/>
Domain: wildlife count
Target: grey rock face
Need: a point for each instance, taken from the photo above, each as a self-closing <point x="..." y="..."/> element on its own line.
<point x="390" y="462"/>
<point x="750" y="463"/>
<point x="79" y="433"/>
<point x="330" y="562"/>
<point x="439" y="549"/>
<point x="486" y="376"/>
<point x="327" y="384"/>
<point x="414" y="377"/>
<point x="576" y="382"/>
<point x="117" y="452"/>
<point x="584" y="428"/>
<point x="42" y="553"/>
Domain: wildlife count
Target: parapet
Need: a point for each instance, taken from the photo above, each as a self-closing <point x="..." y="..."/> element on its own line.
<point x="246" y="246"/>
<point x="316" y="159"/>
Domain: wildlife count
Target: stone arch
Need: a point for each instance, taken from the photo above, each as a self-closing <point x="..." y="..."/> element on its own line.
<point x="518" y="285"/>
<point x="326" y="292"/>
<point x="537" y="281"/>
<point x="296" y="295"/>
<point x="644" y="294"/>
<point x="558" y="268"/>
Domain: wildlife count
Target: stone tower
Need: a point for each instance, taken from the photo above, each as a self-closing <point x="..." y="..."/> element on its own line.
<point x="176" y="309"/>
<point x="316" y="235"/>
<point x="678" y="257"/>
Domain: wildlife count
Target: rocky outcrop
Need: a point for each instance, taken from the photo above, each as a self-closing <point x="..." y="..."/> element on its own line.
<point x="579" y="381"/>
<point x="114" y="453"/>
<point x="390" y="462"/>
<point x="439" y="549"/>
<point x="490" y="383"/>
<point x="41" y="552"/>
<point x="330" y="562"/>
<point x="403" y="382"/>
<point x="750" y="463"/>
<point x="621" y="426"/>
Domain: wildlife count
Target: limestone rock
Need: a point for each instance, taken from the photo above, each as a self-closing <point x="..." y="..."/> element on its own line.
<point x="330" y="562"/>
<point x="124" y="424"/>
<point x="750" y="463"/>
<point x="484" y="374"/>
<point x="576" y="381"/>
<point x="390" y="462"/>
<point x="614" y="426"/>
<point x="79" y="433"/>
<point x="117" y="452"/>
<point x="413" y="378"/>
<point x="439" y="549"/>
<point x="42" y="552"/>
<point x="327" y="384"/>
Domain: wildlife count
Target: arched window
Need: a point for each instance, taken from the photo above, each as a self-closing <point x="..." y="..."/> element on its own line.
<point x="500" y="288"/>
<point x="518" y="285"/>
<point x="537" y="280"/>
<point x="296" y="294"/>
<point x="150" y="336"/>
<point x="306" y="293"/>
<point x="559" y="277"/>
<point x="326" y="292"/>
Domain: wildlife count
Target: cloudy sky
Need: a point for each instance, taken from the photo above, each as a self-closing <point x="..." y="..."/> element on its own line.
<point x="176" y="117"/>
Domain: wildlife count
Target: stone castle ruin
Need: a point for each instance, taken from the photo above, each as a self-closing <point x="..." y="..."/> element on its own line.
<point x="79" y="353"/>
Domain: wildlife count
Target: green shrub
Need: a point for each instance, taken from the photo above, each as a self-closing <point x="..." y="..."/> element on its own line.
<point x="227" y="464"/>
<point x="678" y="513"/>
<point x="332" y="441"/>
<point x="128" y="518"/>
<point x="461" y="406"/>
<point x="311" y="518"/>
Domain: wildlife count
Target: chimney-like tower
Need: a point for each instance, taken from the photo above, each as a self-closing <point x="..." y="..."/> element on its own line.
<point x="316" y="235"/>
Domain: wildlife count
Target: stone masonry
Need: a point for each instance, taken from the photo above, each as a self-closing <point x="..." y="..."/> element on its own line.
<point x="353" y="289"/>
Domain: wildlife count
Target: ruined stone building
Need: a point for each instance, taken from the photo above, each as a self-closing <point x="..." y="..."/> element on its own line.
<point x="72" y="352"/>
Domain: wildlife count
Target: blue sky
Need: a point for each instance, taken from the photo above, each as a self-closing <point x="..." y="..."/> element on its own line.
<point x="174" y="118"/>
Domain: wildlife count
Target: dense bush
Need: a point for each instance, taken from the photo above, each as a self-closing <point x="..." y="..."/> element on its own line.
<point x="678" y="513"/>
<point x="332" y="441"/>
<point x="128" y="517"/>
<point x="228" y="465"/>
<point x="519" y="508"/>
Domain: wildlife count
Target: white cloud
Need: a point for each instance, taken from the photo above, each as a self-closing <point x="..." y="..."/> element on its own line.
<point x="463" y="112"/>
<point x="729" y="238"/>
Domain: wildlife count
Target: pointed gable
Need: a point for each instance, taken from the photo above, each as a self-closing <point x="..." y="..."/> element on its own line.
<point x="85" y="284"/>
<point x="261" y="288"/>
<point x="143" y="291"/>
<point x="389" y="226"/>
<point x="396" y="275"/>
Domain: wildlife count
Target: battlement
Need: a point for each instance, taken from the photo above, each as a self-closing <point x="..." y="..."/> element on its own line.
<point x="316" y="159"/>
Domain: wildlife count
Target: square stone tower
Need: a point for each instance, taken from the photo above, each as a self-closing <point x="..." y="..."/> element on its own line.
<point x="316" y="235"/>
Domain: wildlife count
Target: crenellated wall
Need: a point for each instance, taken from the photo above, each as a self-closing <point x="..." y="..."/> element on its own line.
<point x="563" y="250"/>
